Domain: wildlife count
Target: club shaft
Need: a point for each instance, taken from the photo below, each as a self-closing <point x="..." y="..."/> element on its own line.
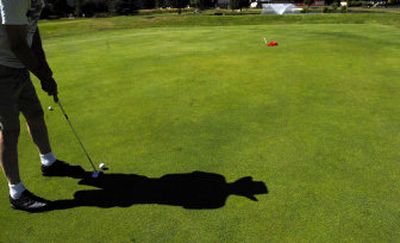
<point x="76" y="134"/>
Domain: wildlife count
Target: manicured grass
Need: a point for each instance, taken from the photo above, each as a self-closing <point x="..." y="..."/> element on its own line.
<point x="316" y="119"/>
<point x="84" y="26"/>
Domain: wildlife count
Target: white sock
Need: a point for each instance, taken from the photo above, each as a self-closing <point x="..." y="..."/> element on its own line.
<point x="47" y="159"/>
<point x="16" y="190"/>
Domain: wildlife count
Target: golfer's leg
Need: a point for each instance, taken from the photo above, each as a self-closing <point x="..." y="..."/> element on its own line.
<point x="38" y="131"/>
<point x="9" y="155"/>
<point x="11" y="85"/>
<point x="32" y="110"/>
<point x="9" y="123"/>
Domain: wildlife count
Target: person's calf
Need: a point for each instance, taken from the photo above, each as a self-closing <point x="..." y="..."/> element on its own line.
<point x="38" y="131"/>
<point x="9" y="155"/>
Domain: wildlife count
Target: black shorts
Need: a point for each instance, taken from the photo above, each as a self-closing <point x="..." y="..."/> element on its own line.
<point x="17" y="94"/>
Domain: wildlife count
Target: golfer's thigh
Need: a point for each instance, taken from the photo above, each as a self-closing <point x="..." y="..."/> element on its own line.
<point x="28" y="101"/>
<point x="9" y="92"/>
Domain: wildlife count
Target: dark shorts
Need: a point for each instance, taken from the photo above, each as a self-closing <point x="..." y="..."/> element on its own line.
<point x="17" y="94"/>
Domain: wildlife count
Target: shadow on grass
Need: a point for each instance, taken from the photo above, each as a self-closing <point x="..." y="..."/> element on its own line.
<point x="196" y="190"/>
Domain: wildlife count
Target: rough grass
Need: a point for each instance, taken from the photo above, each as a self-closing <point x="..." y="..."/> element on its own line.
<point x="316" y="119"/>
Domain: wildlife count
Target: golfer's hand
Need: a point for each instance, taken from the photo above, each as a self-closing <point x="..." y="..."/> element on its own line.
<point x="49" y="85"/>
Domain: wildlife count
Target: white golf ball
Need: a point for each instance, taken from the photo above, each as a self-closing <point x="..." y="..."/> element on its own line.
<point x="50" y="108"/>
<point x="102" y="165"/>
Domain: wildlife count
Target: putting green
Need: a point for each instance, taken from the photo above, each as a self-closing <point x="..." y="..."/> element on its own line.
<point x="316" y="119"/>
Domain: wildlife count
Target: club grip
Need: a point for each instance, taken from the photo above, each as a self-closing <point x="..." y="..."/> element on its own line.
<point x="55" y="98"/>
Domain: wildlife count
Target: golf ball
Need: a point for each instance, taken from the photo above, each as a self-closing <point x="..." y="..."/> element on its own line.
<point x="102" y="165"/>
<point x="50" y="108"/>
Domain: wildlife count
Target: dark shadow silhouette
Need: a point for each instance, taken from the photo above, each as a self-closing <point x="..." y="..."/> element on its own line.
<point x="196" y="190"/>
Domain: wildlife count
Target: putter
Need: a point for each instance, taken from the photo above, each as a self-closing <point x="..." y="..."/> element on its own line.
<point x="95" y="173"/>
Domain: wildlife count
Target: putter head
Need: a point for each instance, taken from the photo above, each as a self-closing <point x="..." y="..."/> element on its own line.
<point x="96" y="174"/>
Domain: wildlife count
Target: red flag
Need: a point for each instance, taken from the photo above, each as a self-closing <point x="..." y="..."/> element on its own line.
<point x="272" y="43"/>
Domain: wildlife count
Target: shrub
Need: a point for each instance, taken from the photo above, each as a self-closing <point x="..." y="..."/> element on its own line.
<point x="164" y="10"/>
<point x="344" y="9"/>
<point x="305" y="10"/>
<point x="324" y="9"/>
<point x="334" y="7"/>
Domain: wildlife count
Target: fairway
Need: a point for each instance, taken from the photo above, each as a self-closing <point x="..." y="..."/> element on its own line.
<point x="317" y="119"/>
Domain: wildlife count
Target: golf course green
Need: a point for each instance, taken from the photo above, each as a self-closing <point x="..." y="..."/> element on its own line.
<point x="316" y="119"/>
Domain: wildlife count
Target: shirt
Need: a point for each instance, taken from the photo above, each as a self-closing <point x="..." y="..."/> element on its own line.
<point x="17" y="12"/>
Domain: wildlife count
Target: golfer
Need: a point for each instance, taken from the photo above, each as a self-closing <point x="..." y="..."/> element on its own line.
<point x="20" y="52"/>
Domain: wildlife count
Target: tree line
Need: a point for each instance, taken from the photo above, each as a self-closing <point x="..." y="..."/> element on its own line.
<point x="64" y="8"/>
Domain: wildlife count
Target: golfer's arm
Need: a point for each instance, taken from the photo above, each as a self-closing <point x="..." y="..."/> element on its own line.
<point x="19" y="46"/>
<point x="39" y="52"/>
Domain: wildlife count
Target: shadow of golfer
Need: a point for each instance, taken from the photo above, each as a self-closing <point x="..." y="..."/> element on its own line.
<point x="196" y="190"/>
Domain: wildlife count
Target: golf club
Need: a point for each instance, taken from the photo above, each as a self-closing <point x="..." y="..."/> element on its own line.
<point x="95" y="173"/>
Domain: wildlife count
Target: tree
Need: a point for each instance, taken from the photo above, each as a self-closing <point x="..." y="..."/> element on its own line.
<point x="309" y="2"/>
<point x="149" y="4"/>
<point x="58" y="8"/>
<point x="330" y="2"/>
<point x="181" y="4"/>
<point x="78" y="10"/>
<point x="91" y="7"/>
<point x="127" y="7"/>
<point x="202" y="4"/>
<point x="197" y="3"/>
<point x="239" y="4"/>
